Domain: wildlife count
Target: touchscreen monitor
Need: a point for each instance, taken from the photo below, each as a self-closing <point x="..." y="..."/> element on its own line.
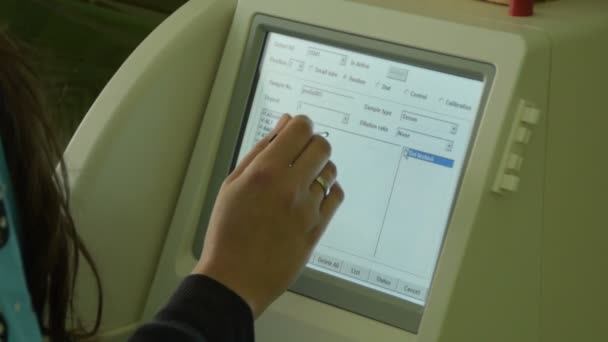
<point x="399" y="134"/>
<point x="401" y="122"/>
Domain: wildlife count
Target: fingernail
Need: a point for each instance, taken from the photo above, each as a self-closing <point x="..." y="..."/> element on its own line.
<point x="280" y="124"/>
<point x="282" y="121"/>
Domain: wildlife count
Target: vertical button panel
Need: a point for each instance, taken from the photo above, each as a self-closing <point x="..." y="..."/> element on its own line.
<point x="527" y="116"/>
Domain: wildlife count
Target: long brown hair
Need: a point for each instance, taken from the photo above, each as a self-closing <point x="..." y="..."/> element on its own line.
<point x="51" y="247"/>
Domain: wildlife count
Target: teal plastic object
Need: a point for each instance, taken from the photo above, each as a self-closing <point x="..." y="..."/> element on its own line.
<point x="16" y="311"/>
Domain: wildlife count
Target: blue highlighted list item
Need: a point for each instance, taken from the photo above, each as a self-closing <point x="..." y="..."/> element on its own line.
<point x="431" y="158"/>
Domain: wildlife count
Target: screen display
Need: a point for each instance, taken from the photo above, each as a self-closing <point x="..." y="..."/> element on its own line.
<point x="400" y="136"/>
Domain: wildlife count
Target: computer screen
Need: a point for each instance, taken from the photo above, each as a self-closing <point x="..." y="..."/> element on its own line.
<point x="399" y="134"/>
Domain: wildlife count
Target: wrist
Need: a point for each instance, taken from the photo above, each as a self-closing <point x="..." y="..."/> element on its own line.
<point x="238" y="286"/>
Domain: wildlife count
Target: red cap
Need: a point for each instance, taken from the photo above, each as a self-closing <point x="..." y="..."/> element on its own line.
<point x="521" y="8"/>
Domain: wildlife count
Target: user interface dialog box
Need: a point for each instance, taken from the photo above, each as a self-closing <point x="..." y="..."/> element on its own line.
<point x="400" y="135"/>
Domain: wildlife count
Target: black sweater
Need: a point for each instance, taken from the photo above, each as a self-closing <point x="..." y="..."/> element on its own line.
<point x="201" y="310"/>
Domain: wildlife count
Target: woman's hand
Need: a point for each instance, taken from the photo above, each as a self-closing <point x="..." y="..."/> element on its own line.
<point x="270" y="213"/>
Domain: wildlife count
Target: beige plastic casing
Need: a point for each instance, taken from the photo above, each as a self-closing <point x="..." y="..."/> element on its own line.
<point x="513" y="265"/>
<point x="128" y="158"/>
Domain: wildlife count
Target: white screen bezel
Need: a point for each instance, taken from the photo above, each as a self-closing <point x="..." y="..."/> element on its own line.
<point x="314" y="284"/>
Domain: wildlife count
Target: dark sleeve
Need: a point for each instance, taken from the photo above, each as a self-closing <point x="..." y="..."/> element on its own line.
<point x="201" y="310"/>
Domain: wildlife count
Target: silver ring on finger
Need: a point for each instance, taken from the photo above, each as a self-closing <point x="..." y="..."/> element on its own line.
<point x="324" y="185"/>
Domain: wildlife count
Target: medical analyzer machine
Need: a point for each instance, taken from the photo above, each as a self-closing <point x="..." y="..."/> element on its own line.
<point x="471" y="144"/>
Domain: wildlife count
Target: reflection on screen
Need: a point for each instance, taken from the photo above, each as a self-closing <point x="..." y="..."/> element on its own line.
<point x="400" y="135"/>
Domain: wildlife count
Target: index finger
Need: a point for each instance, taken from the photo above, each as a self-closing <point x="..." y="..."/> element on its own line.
<point x="290" y="141"/>
<point x="259" y="147"/>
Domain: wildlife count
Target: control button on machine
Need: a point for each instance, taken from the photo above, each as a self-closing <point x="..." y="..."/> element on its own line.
<point x="383" y="280"/>
<point x="530" y="115"/>
<point x="355" y="271"/>
<point x="526" y="117"/>
<point x="523" y="135"/>
<point x="515" y="162"/>
<point x="328" y="262"/>
<point x="510" y="183"/>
